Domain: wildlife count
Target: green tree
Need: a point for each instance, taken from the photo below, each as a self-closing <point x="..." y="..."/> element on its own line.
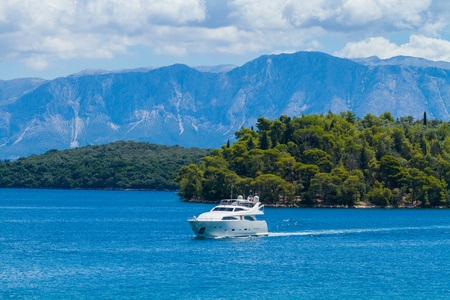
<point x="216" y="160"/>
<point x="324" y="188"/>
<point x="364" y="157"/>
<point x="319" y="158"/>
<point x="352" y="190"/>
<point x="264" y="141"/>
<point x="370" y="120"/>
<point x="340" y="173"/>
<point x="263" y="124"/>
<point x="273" y="188"/>
<point x="419" y="162"/>
<point x="380" y="195"/>
<point x="285" y="168"/>
<point x="277" y="129"/>
<point x="416" y="183"/>
<point x="387" y="116"/>
<point x="436" y="191"/>
<point x="397" y="197"/>
<point x="217" y="183"/>
<point x="398" y="136"/>
<point x="392" y="172"/>
<point x="244" y="134"/>
<point x="305" y="173"/>
<point x="189" y="179"/>
<point x="349" y="116"/>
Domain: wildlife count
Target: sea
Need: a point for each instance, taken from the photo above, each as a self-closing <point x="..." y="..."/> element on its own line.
<point x="76" y="244"/>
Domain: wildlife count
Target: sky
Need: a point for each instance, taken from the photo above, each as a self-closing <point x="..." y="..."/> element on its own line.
<point x="54" y="38"/>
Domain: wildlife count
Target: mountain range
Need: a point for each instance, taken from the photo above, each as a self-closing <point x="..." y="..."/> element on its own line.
<point x="204" y="106"/>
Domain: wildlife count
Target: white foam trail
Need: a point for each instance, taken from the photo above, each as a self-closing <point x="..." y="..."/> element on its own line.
<point x="351" y="231"/>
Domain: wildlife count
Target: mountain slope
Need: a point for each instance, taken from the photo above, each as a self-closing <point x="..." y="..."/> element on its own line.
<point x="10" y="90"/>
<point x="182" y="105"/>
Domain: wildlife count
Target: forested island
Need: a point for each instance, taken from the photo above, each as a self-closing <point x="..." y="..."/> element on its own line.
<point x="329" y="160"/>
<point x="118" y="165"/>
<point x="314" y="160"/>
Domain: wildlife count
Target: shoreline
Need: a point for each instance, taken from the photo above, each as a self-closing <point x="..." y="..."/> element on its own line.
<point x="296" y="205"/>
<point x="96" y="189"/>
<point x="271" y="205"/>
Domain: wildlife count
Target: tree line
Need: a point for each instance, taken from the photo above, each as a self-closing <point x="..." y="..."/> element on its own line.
<point x="332" y="159"/>
<point x="118" y="165"/>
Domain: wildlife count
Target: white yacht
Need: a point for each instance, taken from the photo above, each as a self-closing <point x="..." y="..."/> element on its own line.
<point x="231" y="218"/>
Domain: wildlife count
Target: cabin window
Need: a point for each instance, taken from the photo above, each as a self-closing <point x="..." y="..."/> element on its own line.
<point x="222" y="209"/>
<point x="248" y="218"/>
<point x="229" y="218"/>
<point x="238" y="209"/>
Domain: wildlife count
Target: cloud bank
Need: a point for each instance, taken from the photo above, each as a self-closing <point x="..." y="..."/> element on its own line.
<point x="419" y="46"/>
<point x="40" y="32"/>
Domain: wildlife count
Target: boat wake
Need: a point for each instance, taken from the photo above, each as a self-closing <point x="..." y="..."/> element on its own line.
<point x="243" y="237"/>
<point x="352" y="231"/>
<point x="330" y="232"/>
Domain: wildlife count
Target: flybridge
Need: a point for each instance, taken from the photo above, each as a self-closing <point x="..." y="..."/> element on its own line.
<point x="249" y="202"/>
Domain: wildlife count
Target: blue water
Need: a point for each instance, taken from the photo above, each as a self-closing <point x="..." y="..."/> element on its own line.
<point x="138" y="245"/>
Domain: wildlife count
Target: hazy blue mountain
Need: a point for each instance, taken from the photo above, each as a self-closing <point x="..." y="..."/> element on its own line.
<point x="204" y="107"/>
<point x="403" y="61"/>
<point x="90" y="72"/>
<point x="10" y="90"/>
<point x="208" y="69"/>
<point x="216" y="69"/>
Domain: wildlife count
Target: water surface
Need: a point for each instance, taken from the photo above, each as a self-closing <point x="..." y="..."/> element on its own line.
<point x="58" y="244"/>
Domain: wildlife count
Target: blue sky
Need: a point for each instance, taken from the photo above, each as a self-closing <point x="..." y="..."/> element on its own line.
<point x="53" y="38"/>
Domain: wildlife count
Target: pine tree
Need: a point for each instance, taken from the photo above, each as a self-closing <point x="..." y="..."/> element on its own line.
<point x="264" y="141"/>
<point x="364" y="157"/>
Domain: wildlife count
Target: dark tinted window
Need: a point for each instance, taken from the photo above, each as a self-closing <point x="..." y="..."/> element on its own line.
<point x="229" y="218"/>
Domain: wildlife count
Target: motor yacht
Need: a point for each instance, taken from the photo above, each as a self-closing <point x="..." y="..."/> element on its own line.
<point x="231" y="218"/>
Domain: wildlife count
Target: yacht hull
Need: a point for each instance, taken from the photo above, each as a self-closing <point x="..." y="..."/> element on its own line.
<point x="214" y="229"/>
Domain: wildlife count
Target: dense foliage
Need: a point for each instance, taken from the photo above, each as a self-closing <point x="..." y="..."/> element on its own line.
<point x="119" y="165"/>
<point x="329" y="160"/>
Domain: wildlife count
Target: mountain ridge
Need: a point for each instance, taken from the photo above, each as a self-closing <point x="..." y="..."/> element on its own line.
<point x="188" y="106"/>
<point x="403" y="60"/>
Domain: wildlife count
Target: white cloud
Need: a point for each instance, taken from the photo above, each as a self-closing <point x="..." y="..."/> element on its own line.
<point x="334" y="15"/>
<point x="277" y="52"/>
<point x="40" y="32"/>
<point x="398" y="14"/>
<point x="36" y="63"/>
<point x="418" y="46"/>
